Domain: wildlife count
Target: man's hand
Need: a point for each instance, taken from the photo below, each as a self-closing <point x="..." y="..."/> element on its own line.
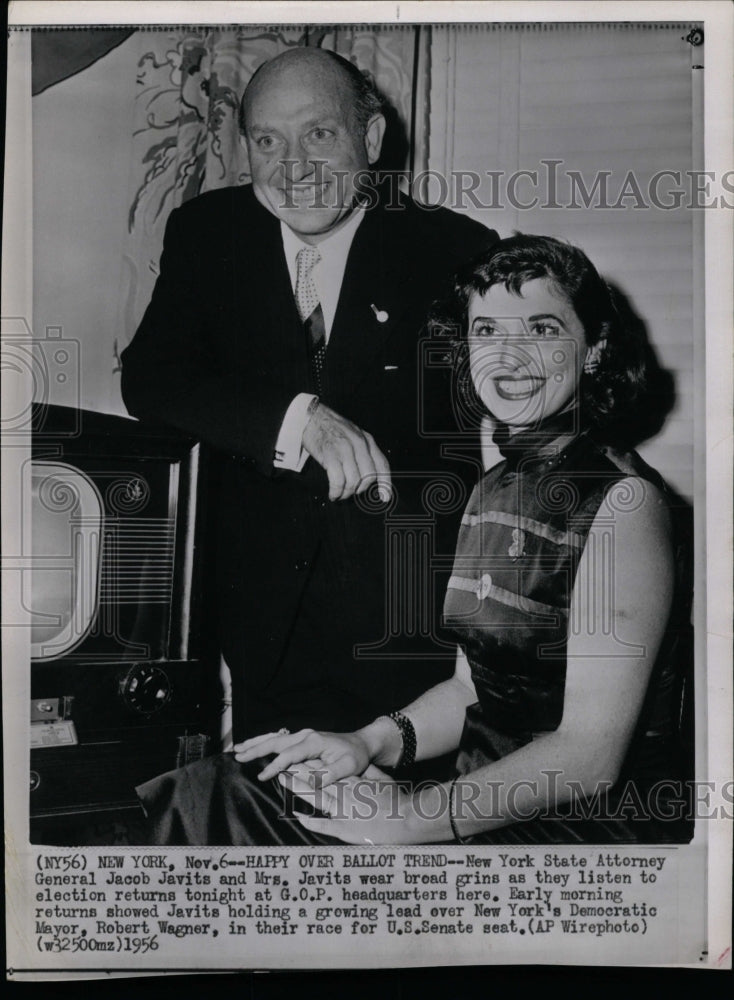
<point x="352" y="460"/>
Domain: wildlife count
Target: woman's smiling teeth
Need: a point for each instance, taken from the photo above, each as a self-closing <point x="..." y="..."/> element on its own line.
<point x="518" y="386"/>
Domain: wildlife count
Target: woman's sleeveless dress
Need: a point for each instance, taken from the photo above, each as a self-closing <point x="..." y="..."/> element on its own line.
<point x="508" y="600"/>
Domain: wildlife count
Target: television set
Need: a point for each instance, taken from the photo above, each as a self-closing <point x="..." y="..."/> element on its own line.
<point x="124" y="671"/>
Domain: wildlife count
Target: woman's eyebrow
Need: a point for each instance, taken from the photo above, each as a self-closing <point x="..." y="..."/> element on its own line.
<point x="533" y="319"/>
<point x="497" y="319"/>
<point x="506" y="319"/>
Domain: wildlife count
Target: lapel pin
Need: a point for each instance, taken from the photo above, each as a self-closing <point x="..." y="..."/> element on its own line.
<point x="517" y="548"/>
<point x="380" y="315"/>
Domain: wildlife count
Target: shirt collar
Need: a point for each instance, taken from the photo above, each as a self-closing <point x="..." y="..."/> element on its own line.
<point x="546" y="437"/>
<point x="335" y="245"/>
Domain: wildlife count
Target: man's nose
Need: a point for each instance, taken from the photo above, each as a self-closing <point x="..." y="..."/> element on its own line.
<point x="296" y="164"/>
<point x="303" y="168"/>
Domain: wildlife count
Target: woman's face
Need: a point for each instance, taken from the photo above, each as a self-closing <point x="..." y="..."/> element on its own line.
<point x="526" y="352"/>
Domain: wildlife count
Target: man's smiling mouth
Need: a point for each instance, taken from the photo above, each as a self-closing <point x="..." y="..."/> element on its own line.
<point x="308" y="194"/>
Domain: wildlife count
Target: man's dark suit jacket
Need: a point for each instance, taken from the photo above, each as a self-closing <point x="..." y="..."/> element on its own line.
<point x="220" y="354"/>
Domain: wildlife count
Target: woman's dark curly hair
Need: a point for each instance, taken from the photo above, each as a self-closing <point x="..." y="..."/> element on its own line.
<point x="609" y="395"/>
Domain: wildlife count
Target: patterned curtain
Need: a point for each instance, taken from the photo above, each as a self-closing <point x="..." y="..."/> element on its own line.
<point x="185" y="138"/>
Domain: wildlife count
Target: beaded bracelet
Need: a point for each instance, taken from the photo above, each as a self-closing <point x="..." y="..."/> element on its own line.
<point x="407" y="735"/>
<point x="452" y="817"/>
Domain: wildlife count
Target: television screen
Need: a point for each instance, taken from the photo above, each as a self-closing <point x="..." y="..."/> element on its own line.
<point x="66" y="518"/>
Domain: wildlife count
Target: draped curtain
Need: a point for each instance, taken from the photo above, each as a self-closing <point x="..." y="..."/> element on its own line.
<point x="186" y="139"/>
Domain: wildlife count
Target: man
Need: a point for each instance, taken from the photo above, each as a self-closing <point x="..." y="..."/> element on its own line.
<point x="284" y="331"/>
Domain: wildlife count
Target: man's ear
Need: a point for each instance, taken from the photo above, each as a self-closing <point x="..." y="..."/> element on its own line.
<point x="373" y="136"/>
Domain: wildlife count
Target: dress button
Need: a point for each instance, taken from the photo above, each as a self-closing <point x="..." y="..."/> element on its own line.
<point x="301" y="564"/>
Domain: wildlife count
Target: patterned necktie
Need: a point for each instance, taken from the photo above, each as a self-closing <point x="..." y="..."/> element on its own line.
<point x="309" y="309"/>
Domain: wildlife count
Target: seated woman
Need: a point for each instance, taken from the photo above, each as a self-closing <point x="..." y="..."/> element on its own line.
<point x="563" y="601"/>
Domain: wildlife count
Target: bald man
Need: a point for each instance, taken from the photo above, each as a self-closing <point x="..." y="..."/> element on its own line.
<point x="285" y="332"/>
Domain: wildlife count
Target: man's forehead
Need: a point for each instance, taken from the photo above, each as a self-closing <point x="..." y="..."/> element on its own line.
<point x="298" y="96"/>
<point x="299" y="107"/>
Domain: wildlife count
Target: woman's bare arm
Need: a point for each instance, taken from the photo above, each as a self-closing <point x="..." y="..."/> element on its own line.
<point x="437" y="717"/>
<point x="619" y="610"/>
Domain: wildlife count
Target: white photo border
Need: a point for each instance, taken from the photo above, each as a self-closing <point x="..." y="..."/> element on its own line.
<point x="715" y="573"/>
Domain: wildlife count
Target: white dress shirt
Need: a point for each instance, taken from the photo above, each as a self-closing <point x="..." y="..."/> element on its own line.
<point x="328" y="275"/>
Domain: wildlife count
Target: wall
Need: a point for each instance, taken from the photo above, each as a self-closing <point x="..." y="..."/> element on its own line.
<point x="81" y="161"/>
<point x="592" y="98"/>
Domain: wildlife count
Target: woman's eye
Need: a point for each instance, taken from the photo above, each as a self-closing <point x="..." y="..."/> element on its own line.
<point x="544" y="330"/>
<point x="484" y="330"/>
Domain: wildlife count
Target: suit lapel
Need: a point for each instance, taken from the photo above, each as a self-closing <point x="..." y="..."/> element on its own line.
<point x="375" y="275"/>
<point x="264" y="294"/>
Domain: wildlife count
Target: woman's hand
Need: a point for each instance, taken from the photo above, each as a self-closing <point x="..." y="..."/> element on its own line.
<point x="372" y="809"/>
<point x="339" y="755"/>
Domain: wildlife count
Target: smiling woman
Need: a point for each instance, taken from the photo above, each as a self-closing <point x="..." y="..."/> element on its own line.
<point x="543" y="334"/>
<point x="527" y="351"/>
<point x="568" y="596"/>
<point x="568" y="601"/>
